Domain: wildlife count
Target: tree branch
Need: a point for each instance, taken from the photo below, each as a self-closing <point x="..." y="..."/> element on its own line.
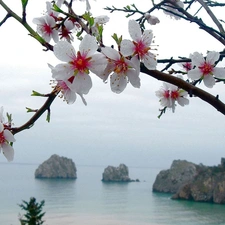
<point x="191" y="89"/>
<point x="39" y="113"/>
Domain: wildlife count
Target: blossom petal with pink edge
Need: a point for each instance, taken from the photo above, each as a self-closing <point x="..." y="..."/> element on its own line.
<point x="219" y="72"/>
<point x="209" y="81"/>
<point x="118" y="83"/>
<point x="8" y="151"/>
<point x="88" y="45"/>
<point x="194" y="74"/>
<point x="64" y="51"/>
<point x="134" y="30"/>
<point x="127" y="47"/>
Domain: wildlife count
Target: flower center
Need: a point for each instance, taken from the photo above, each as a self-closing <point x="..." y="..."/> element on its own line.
<point x="140" y="48"/>
<point x="121" y="66"/>
<point x="47" y="29"/>
<point x="187" y="66"/>
<point x="80" y="63"/>
<point x="174" y="94"/>
<point x="166" y="94"/>
<point x="63" y="86"/>
<point x="2" y="138"/>
<point x="206" y="68"/>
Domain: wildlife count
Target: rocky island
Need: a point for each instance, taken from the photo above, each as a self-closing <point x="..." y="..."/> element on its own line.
<point x="117" y="174"/>
<point x="57" y="167"/>
<point x="189" y="181"/>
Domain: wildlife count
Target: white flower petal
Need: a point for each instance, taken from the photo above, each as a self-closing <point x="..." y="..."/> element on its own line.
<point x="219" y="72"/>
<point x="62" y="71"/>
<point x="88" y="45"/>
<point x="8" y="151"/>
<point x="82" y="83"/>
<point x="98" y="64"/>
<point x="183" y="101"/>
<point x="64" y="51"/>
<point x="9" y="136"/>
<point x="127" y="47"/>
<point x="134" y="30"/>
<point x="1" y="127"/>
<point x="147" y="37"/>
<point x="111" y="53"/>
<point x="118" y="83"/>
<point x="197" y="59"/>
<point x="194" y="74"/>
<point x="134" y="78"/>
<point x="209" y="81"/>
<point x="212" y="57"/>
<point x="69" y="96"/>
<point x="149" y="61"/>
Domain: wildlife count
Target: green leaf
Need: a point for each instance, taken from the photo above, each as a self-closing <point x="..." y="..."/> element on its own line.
<point x="56" y="8"/>
<point x="116" y="39"/>
<point x="24" y="3"/>
<point x="35" y="93"/>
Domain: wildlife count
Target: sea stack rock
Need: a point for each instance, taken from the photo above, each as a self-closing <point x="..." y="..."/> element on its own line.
<point x="116" y="174"/>
<point x="57" y="167"/>
<point x="207" y="186"/>
<point x="180" y="173"/>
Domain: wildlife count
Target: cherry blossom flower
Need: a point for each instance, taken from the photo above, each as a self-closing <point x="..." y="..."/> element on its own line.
<point x="75" y="71"/>
<point x="140" y="45"/>
<point x="5" y="138"/>
<point x="45" y="27"/>
<point x="50" y="10"/>
<point x="153" y="20"/>
<point x="205" y="68"/>
<point x="65" y="31"/>
<point x="171" y="9"/>
<point x="122" y="69"/>
<point x="99" y="20"/>
<point x="169" y="94"/>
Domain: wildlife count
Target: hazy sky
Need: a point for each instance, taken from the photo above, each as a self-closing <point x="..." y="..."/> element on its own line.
<point x="112" y="128"/>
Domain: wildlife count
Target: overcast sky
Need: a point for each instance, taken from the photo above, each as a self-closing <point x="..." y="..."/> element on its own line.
<point x="112" y="128"/>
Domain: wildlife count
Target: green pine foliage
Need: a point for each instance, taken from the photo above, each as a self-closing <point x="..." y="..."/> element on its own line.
<point x="34" y="212"/>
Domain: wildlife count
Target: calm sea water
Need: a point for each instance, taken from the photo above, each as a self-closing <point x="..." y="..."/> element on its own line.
<point x="88" y="201"/>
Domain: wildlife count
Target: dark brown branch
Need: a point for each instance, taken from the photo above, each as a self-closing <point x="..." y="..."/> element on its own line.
<point x="39" y="113"/>
<point x="191" y="89"/>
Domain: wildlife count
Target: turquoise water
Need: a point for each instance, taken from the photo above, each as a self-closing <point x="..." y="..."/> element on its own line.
<point x="87" y="200"/>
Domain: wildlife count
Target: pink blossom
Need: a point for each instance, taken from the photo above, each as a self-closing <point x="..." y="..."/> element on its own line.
<point x="75" y="71"/>
<point x="169" y="94"/>
<point x="46" y="28"/>
<point x="204" y="68"/>
<point x="140" y="45"/>
<point x="121" y="69"/>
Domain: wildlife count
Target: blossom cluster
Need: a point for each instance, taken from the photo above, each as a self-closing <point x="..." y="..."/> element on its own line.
<point x="120" y="66"/>
<point x="169" y="94"/>
<point x="6" y="138"/>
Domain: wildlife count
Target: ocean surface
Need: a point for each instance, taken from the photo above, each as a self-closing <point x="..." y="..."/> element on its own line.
<point x="88" y="201"/>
